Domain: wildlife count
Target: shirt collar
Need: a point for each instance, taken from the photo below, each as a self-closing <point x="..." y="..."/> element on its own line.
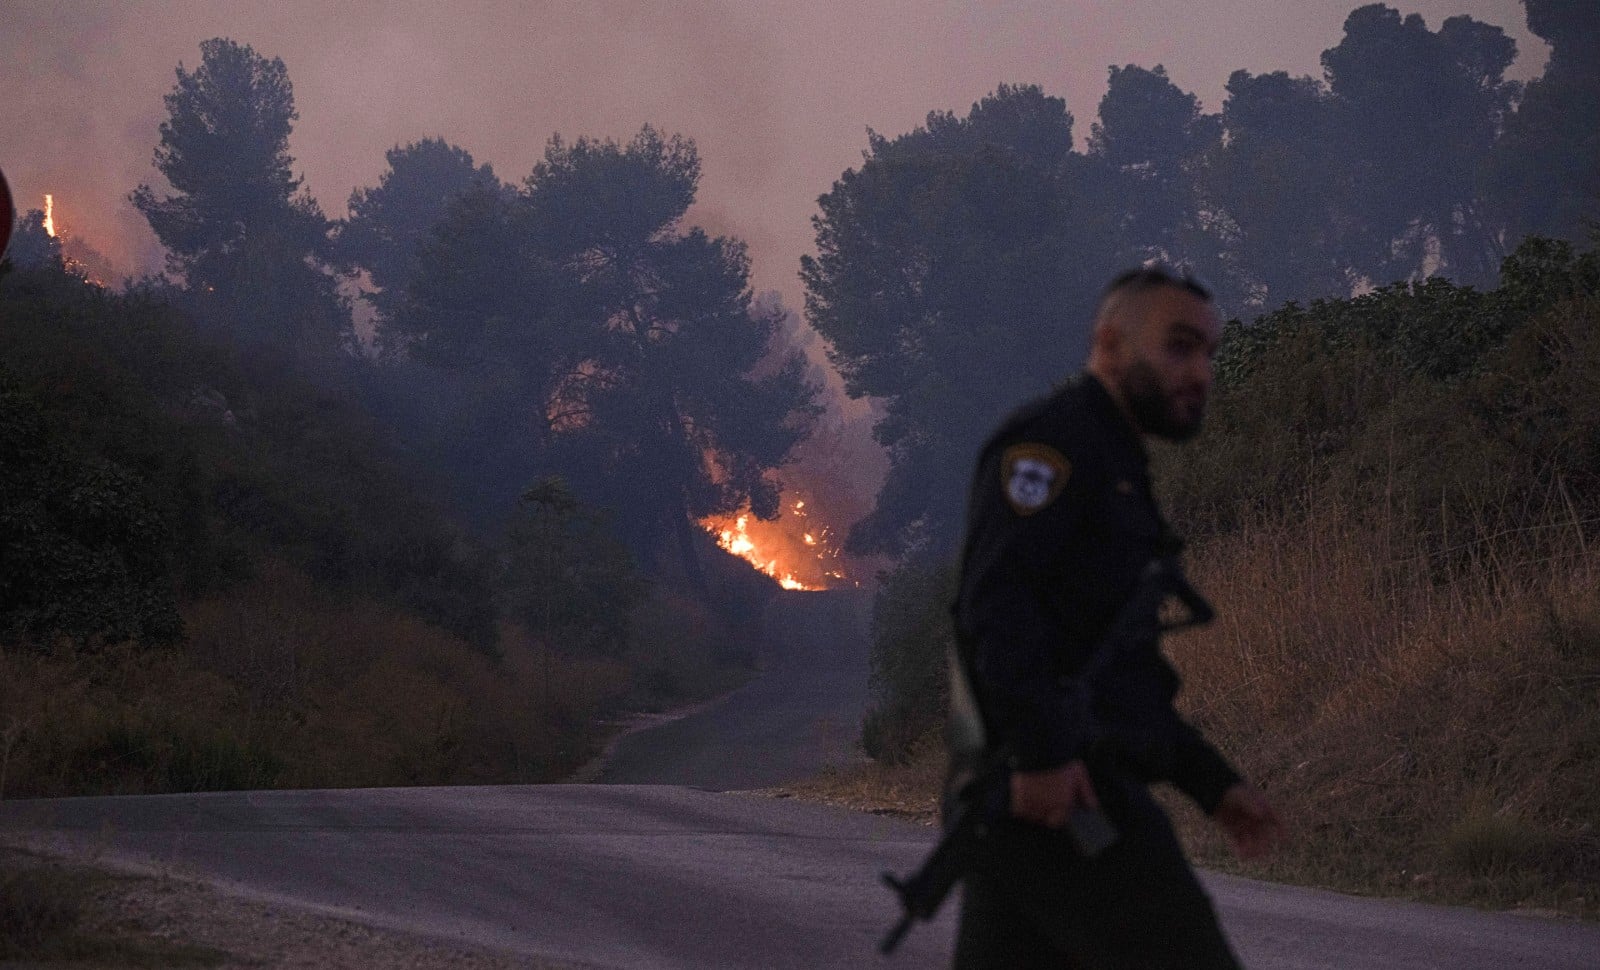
<point x="1103" y="402"/>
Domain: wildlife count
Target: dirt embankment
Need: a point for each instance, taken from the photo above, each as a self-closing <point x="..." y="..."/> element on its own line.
<point x="60" y="915"/>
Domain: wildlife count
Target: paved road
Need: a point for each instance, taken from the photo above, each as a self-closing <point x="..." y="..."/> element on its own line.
<point x="625" y="876"/>
<point x="800" y="716"/>
<point x="657" y="876"/>
<point x="668" y="876"/>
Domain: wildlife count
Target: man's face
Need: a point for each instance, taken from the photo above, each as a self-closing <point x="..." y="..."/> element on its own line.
<point x="1166" y="372"/>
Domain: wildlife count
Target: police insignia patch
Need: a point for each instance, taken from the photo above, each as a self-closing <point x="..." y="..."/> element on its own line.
<point x="1032" y="475"/>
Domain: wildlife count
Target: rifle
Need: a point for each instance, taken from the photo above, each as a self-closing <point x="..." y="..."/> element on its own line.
<point x="985" y="799"/>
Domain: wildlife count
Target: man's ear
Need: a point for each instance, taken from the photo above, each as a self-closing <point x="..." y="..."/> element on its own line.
<point x="1107" y="344"/>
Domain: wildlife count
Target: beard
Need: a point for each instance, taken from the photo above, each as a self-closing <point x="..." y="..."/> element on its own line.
<point x="1157" y="410"/>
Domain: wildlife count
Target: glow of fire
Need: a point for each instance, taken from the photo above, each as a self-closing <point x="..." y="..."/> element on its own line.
<point x="49" y="214"/>
<point x="796" y="549"/>
<point x="737" y="541"/>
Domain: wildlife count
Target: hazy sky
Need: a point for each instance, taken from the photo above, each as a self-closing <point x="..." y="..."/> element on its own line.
<point x="778" y="93"/>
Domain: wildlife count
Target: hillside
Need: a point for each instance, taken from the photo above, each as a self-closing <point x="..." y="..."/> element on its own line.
<point x="218" y="572"/>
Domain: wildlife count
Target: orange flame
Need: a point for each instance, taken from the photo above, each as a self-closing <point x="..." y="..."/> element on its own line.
<point x="790" y="549"/>
<point x="737" y="541"/>
<point x="49" y="215"/>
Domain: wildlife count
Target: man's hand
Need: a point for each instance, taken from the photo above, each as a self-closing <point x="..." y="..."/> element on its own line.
<point x="1249" y="821"/>
<point x="1048" y="797"/>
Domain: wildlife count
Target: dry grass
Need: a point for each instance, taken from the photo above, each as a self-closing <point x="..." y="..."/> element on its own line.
<point x="51" y="913"/>
<point x="280" y="684"/>
<point x="1429" y="729"/>
<point x="908" y="790"/>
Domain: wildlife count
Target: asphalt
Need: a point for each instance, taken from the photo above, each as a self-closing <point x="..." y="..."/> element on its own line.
<point x="684" y="874"/>
<point x="628" y="876"/>
<point x="800" y="716"/>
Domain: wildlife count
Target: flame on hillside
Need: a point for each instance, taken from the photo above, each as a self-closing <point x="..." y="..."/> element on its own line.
<point x="794" y="550"/>
<point x="78" y="257"/>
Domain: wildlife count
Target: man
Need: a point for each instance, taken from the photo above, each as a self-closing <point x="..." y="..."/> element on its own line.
<point x="1061" y="525"/>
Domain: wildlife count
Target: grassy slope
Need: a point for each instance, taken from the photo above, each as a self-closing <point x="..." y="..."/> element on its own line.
<point x="1397" y="513"/>
<point x="1427" y="740"/>
<point x="336" y="629"/>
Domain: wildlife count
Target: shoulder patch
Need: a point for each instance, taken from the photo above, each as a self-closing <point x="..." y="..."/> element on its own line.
<point x="1032" y="475"/>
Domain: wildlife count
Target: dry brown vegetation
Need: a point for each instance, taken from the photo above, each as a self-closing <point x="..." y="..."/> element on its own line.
<point x="1396" y="509"/>
<point x="280" y="684"/>
<point x="1427" y="727"/>
<point x="1424" y="735"/>
<point x="906" y="789"/>
<point x="77" y="915"/>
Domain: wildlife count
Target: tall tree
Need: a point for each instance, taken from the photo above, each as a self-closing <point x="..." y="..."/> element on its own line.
<point x="390" y="222"/>
<point x="1153" y="138"/>
<point x="1280" y="188"/>
<point x="1545" y="175"/>
<point x="475" y="344"/>
<point x="247" y="240"/>
<point x="623" y="344"/>
<point x="1422" y="110"/>
<point x="664" y="408"/>
<point x="955" y="273"/>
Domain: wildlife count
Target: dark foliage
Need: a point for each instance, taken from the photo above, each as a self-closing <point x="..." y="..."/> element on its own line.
<point x="85" y="548"/>
<point x="239" y="230"/>
<point x="957" y="265"/>
<point x="148" y="459"/>
<point x="1466" y="418"/>
<point x="567" y="577"/>
<point x="620" y="347"/>
<point x="31" y="247"/>
<point x="390" y="222"/>
<point x="954" y="275"/>
<point x="1543" y="178"/>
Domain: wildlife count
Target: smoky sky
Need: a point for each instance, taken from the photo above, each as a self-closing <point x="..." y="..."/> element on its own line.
<point x="778" y="94"/>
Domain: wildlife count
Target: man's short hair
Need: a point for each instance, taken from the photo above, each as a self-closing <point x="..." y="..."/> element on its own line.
<point x="1134" y="282"/>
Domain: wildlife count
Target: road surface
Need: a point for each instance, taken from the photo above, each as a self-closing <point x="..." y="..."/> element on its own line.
<point x="802" y="715"/>
<point x="673" y="876"/>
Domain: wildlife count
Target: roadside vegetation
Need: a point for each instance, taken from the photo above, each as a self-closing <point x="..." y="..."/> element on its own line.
<point x="50" y="912"/>
<point x="79" y="915"/>
<point x="1396" y="502"/>
<point x="1396" y="509"/>
<point x="246" y="543"/>
<point x="219" y="575"/>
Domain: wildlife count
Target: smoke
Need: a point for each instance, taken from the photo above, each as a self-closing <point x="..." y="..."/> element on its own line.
<point x="777" y="95"/>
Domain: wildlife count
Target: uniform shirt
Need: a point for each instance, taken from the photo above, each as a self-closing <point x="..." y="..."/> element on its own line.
<point x="1060" y="526"/>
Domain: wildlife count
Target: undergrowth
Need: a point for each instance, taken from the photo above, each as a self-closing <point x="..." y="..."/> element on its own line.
<point x="280" y="683"/>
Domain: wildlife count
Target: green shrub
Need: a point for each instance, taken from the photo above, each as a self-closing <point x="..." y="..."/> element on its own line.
<point x="911" y="637"/>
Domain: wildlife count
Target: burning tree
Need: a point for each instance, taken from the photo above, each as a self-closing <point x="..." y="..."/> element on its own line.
<point x="34" y="242"/>
<point x="628" y="343"/>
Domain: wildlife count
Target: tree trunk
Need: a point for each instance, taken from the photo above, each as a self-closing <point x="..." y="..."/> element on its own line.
<point x="691" y="560"/>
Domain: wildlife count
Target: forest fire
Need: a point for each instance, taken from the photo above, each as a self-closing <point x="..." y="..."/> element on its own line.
<point x="78" y="257"/>
<point x="796" y="552"/>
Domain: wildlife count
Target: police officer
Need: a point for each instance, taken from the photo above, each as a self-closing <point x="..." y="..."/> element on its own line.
<point x="1061" y="525"/>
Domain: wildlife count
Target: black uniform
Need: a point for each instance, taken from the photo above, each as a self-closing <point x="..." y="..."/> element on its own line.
<point x="1061" y="525"/>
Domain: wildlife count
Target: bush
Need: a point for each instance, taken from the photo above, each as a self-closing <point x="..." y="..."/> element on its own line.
<point x="1396" y="509"/>
<point x="40" y="906"/>
<point x="911" y="639"/>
